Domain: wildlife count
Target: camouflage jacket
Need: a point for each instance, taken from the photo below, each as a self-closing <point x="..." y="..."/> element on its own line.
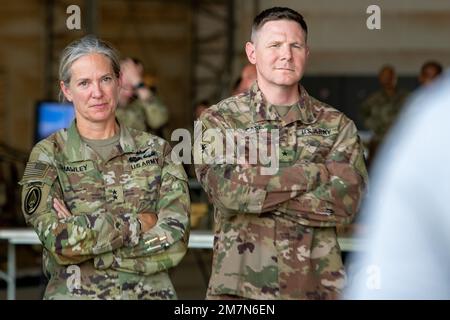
<point x="132" y="116"/>
<point x="380" y="111"/>
<point x="156" y="113"/>
<point x="275" y="234"/>
<point x="148" y="116"/>
<point x="99" y="252"/>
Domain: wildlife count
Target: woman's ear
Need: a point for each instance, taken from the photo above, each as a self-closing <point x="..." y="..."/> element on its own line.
<point x="65" y="91"/>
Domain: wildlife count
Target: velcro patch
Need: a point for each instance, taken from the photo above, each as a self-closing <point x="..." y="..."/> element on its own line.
<point x="316" y="131"/>
<point x="32" y="200"/>
<point x="35" y="170"/>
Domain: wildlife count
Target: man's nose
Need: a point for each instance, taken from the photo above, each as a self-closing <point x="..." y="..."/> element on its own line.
<point x="286" y="52"/>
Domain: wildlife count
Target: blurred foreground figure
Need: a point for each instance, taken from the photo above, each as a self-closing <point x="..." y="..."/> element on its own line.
<point x="407" y="254"/>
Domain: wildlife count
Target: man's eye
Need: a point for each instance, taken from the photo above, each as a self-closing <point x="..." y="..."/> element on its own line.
<point x="83" y="84"/>
<point x="107" y="79"/>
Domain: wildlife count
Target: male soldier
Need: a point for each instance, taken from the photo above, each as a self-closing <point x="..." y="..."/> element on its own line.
<point x="275" y="235"/>
<point x="381" y="108"/>
<point x="130" y="114"/>
<point x="139" y="107"/>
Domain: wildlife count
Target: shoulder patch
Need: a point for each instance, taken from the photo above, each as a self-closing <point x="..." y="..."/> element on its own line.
<point x="32" y="200"/>
<point x="35" y="170"/>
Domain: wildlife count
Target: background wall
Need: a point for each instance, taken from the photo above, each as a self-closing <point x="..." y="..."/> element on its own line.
<point x="412" y="31"/>
<point x="160" y="34"/>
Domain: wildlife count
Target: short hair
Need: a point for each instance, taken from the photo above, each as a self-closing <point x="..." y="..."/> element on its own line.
<point x="434" y="64"/>
<point x="81" y="47"/>
<point x="278" y="13"/>
<point x="389" y="67"/>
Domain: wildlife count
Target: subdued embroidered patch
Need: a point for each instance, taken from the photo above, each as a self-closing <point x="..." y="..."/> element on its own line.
<point x="32" y="200"/>
<point x="35" y="170"/>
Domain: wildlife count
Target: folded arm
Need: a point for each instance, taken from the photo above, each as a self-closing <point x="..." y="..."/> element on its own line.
<point x="336" y="200"/>
<point x="75" y="238"/>
<point x="242" y="188"/>
<point x="165" y="244"/>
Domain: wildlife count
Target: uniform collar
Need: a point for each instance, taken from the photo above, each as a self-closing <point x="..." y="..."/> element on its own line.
<point x="75" y="149"/>
<point x="263" y="111"/>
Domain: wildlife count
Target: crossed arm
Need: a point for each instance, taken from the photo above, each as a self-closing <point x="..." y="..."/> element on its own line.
<point x="316" y="193"/>
<point x="112" y="240"/>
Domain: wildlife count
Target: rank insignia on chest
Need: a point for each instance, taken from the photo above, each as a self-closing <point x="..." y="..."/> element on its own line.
<point x="287" y="154"/>
<point x="114" y="194"/>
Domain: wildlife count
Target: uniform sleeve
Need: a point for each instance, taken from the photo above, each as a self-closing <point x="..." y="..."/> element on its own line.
<point x="235" y="188"/>
<point x="337" y="200"/>
<point x="156" y="114"/>
<point x="164" y="245"/>
<point x="77" y="238"/>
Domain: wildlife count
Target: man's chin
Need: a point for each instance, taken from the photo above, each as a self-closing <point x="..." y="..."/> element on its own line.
<point x="288" y="83"/>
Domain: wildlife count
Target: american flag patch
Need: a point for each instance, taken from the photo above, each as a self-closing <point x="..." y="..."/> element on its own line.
<point x="35" y="170"/>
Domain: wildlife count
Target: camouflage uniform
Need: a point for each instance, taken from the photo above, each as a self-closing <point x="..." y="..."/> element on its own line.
<point x="156" y="114"/>
<point x="148" y="116"/>
<point x="132" y="116"/>
<point x="379" y="112"/>
<point x="275" y="235"/>
<point x="101" y="242"/>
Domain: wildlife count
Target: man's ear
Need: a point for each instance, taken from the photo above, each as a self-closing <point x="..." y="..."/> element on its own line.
<point x="250" y="51"/>
<point x="65" y="91"/>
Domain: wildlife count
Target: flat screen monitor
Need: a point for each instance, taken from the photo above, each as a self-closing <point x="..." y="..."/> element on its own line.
<point x="52" y="116"/>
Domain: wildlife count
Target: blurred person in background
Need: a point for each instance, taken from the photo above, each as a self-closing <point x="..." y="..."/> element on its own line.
<point x="139" y="106"/>
<point x="381" y="108"/>
<point x="407" y="216"/>
<point x="246" y="79"/>
<point x="200" y="107"/>
<point x="108" y="204"/>
<point x="131" y="114"/>
<point x="429" y="71"/>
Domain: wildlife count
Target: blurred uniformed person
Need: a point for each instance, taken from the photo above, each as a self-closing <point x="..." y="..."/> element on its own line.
<point x="139" y="106"/>
<point x="381" y="108"/>
<point x="275" y="235"/>
<point x="246" y="79"/>
<point x="108" y="204"/>
<point x="130" y="114"/>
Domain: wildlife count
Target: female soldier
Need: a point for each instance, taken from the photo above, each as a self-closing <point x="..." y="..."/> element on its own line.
<point x="108" y="204"/>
